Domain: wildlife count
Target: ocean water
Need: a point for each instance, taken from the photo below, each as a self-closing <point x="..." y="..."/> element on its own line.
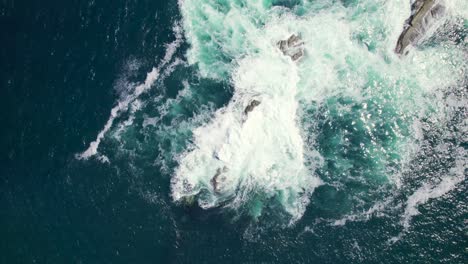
<point x="125" y="136"/>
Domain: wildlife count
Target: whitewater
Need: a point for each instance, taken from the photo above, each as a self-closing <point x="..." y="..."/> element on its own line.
<point x="350" y="116"/>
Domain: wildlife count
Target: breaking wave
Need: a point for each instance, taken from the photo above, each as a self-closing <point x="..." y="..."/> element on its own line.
<point x="342" y="116"/>
<point x="338" y="130"/>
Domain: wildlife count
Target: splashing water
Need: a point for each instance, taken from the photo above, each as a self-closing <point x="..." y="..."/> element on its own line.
<point x="347" y="118"/>
<point x="350" y="97"/>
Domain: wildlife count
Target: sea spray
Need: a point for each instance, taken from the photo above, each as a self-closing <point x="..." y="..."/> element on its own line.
<point x="336" y="132"/>
<point x="342" y="115"/>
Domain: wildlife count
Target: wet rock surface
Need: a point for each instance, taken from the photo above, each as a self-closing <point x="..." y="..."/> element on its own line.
<point x="218" y="179"/>
<point x="292" y="47"/>
<point x="424" y="14"/>
<point x="251" y="106"/>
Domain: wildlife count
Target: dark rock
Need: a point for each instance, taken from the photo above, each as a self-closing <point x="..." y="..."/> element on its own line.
<point x="218" y="178"/>
<point x="292" y="47"/>
<point x="297" y="55"/>
<point x="251" y="106"/>
<point x="294" y="41"/>
<point x="424" y="15"/>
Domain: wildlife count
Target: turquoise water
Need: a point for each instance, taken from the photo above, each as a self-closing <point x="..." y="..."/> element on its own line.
<point x="354" y="154"/>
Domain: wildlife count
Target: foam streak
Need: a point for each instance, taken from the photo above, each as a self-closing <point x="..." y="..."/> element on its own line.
<point x="124" y="104"/>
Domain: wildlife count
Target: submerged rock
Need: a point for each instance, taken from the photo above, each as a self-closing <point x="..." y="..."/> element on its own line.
<point x="292" y="47"/>
<point x="188" y="200"/>
<point x="424" y="14"/>
<point x="218" y="179"/>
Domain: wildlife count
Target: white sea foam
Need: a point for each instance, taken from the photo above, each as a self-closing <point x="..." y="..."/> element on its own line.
<point x="237" y="155"/>
<point x="116" y="111"/>
<point x="430" y="191"/>
<point x="124" y="103"/>
<point x="376" y="210"/>
<point x="258" y="151"/>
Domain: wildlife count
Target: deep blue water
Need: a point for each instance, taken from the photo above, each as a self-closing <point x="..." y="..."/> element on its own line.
<point x="61" y="66"/>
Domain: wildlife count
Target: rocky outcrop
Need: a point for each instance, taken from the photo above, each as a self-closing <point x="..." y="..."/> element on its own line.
<point x="292" y="47"/>
<point x="424" y="14"/>
<point x="251" y="106"/>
